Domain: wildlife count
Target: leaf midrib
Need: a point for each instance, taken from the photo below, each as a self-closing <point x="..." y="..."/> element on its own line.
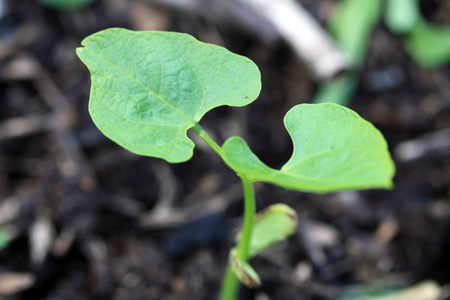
<point x="289" y="166"/>
<point x="289" y="171"/>
<point x="137" y="122"/>
<point x="139" y="83"/>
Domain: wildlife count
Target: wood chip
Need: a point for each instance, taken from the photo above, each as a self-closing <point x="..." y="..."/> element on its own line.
<point x="42" y="234"/>
<point x="11" y="283"/>
<point x="309" y="41"/>
<point x="387" y="230"/>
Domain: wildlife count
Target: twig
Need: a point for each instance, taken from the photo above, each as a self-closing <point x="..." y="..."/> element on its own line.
<point x="59" y="121"/>
<point x="41" y="236"/>
<point x="168" y="183"/>
<point x="24" y="126"/>
<point x="206" y="205"/>
<point x="9" y="209"/>
<point x="436" y="143"/>
<point x="268" y="20"/>
<point x="230" y="12"/>
<point x="309" y="41"/>
<point x="11" y="283"/>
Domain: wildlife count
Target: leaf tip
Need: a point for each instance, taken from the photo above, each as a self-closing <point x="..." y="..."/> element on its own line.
<point x="79" y="51"/>
<point x="243" y="271"/>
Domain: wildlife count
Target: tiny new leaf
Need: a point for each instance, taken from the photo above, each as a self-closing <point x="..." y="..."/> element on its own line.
<point x="243" y="271"/>
<point x="274" y="224"/>
<point x="334" y="149"/>
<point x="148" y="88"/>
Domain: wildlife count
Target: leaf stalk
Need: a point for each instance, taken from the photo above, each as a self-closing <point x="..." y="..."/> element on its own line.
<point x="199" y="130"/>
<point x="230" y="284"/>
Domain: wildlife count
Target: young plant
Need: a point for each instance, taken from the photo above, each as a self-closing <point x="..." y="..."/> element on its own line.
<point x="149" y="88"/>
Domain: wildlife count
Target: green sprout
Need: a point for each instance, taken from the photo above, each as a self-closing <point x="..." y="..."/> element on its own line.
<point x="149" y="88"/>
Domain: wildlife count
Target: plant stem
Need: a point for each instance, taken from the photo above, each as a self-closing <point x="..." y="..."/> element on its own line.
<point x="198" y="130"/>
<point x="249" y="219"/>
<point x="230" y="284"/>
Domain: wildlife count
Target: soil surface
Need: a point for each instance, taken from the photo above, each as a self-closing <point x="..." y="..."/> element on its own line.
<point x="89" y="220"/>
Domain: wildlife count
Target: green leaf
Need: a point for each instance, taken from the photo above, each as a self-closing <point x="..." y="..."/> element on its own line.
<point x="352" y="24"/>
<point x="243" y="271"/>
<point x="338" y="90"/>
<point x="5" y="238"/>
<point x="149" y="88"/>
<point x="402" y="15"/>
<point x="334" y="149"/>
<point x="274" y="224"/>
<point x="429" y="44"/>
<point x="66" y="4"/>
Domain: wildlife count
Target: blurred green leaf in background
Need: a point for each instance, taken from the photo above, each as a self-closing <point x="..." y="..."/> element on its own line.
<point x="5" y="238"/>
<point x="352" y="24"/>
<point x="401" y="15"/>
<point x="66" y="5"/>
<point x="429" y="45"/>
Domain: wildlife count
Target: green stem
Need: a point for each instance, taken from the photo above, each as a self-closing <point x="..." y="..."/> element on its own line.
<point x="249" y="219"/>
<point x="198" y="130"/>
<point x="230" y="284"/>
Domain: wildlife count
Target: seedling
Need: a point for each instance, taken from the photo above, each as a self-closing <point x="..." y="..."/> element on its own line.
<point x="149" y="88"/>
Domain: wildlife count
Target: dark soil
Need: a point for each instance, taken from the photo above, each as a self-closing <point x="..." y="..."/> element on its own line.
<point x="87" y="217"/>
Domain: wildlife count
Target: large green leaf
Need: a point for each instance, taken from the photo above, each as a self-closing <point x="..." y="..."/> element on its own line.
<point x="149" y="88"/>
<point x="334" y="149"/>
